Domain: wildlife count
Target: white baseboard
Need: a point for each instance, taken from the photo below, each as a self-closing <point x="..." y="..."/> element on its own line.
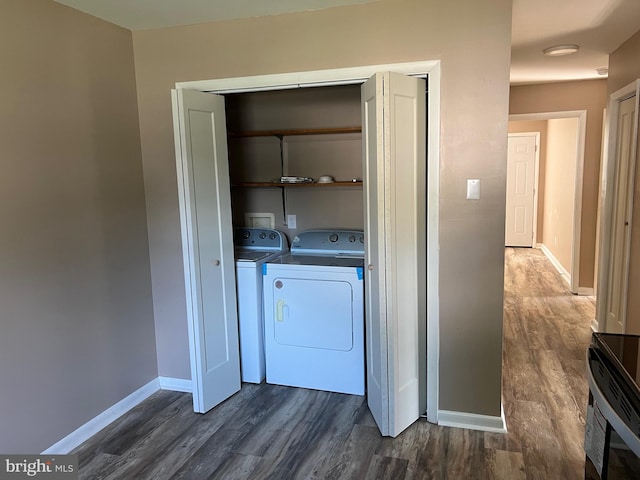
<point x="93" y="426"/>
<point x="473" y="421"/>
<point x="176" y="384"/>
<point x="586" y="291"/>
<point x="97" y="423"/>
<point x="594" y="325"/>
<point x="566" y="276"/>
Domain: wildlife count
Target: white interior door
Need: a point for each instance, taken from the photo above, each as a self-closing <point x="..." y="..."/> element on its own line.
<point x="520" y="207"/>
<point x="394" y="146"/>
<point x="205" y="212"/>
<point x="621" y="217"/>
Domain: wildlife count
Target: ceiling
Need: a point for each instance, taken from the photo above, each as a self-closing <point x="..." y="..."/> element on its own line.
<point x="597" y="26"/>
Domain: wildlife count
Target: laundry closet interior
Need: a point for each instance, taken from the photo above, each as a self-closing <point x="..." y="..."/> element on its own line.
<point x="304" y="132"/>
<point x="233" y="150"/>
<point x="305" y="325"/>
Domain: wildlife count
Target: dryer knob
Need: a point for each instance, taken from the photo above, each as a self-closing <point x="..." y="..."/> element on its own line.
<point x="263" y="235"/>
<point x="333" y="238"/>
<point x="352" y="238"/>
<point x="246" y="234"/>
<point x="272" y="236"/>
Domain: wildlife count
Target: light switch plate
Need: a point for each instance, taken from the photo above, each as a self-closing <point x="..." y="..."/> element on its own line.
<point x="473" y="189"/>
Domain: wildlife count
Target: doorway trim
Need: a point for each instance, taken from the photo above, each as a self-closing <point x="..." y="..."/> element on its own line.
<point x="608" y="177"/>
<point x="581" y="115"/>
<point x="352" y="75"/>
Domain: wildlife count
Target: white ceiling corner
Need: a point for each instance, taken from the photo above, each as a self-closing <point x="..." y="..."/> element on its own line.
<point x="148" y="14"/>
<point x="597" y="26"/>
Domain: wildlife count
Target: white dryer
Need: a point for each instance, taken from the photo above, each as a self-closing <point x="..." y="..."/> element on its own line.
<point x="314" y="313"/>
<point x="253" y="247"/>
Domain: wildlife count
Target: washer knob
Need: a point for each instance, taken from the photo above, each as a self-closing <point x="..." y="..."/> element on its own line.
<point x="263" y="235"/>
<point x="272" y="236"/>
<point x="333" y="238"/>
<point x="352" y="238"/>
<point x="246" y="234"/>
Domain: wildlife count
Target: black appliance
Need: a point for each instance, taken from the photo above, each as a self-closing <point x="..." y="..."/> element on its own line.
<point x="612" y="433"/>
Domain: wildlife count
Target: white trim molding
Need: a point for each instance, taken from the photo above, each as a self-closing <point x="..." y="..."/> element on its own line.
<point x="315" y="78"/>
<point x="566" y="276"/>
<point x="111" y="414"/>
<point x="93" y="426"/>
<point x="176" y="384"/>
<point x="473" y="421"/>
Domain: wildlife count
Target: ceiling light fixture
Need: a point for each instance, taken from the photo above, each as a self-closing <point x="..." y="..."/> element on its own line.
<point x="602" y="70"/>
<point x="560" y="50"/>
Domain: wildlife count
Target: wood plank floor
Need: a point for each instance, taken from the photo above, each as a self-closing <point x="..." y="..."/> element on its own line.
<point x="274" y="432"/>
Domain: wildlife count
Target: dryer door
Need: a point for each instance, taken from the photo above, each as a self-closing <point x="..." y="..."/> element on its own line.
<point x="313" y="313"/>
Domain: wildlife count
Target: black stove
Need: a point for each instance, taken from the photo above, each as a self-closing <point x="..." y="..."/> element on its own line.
<point x="612" y="436"/>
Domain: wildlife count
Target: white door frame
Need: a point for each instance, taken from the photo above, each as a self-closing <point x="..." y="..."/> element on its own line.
<point x="608" y="195"/>
<point x="354" y="75"/>
<point x="536" y="178"/>
<point x="581" y="115"/>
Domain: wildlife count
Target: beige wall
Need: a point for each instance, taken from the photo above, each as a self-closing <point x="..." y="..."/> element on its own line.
<point x="624" y="68"/>
<point x="76" y="328"/>
<point x="536" y="126"/>
<point x="589" y="95"/>
<point x="560" y="172"/>
<point x="473" y="42"/>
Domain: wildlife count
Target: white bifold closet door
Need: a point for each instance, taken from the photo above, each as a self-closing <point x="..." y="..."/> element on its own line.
<point x="207" y="232"/>
<point x="394" y="146"/>
<point x="618" y="272"/>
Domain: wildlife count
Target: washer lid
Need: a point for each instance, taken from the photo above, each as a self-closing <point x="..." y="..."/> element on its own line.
<point x="243" y="255"/>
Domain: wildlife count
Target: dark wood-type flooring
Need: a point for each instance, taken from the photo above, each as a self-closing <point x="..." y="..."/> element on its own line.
<point x="274" y="432"/>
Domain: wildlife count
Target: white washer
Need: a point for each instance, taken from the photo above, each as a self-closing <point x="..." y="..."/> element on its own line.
<point x="253" y="247"/>
<point x="314" y="313"/>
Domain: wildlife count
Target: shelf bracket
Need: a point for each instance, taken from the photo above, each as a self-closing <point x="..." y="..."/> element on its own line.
<point x="284" y="206"/>
<point x="283" y="190"/>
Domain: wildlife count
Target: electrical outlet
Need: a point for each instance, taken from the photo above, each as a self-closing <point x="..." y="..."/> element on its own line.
<point x="291" y="221"/>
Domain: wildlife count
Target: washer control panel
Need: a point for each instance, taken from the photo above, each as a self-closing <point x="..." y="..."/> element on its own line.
<point x="259" y="239"/>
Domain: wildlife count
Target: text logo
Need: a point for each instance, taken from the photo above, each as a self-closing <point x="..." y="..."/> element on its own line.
<point x="49" y="467"/>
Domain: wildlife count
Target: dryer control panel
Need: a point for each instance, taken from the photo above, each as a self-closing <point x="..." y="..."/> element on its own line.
<point x="329" y="242"/>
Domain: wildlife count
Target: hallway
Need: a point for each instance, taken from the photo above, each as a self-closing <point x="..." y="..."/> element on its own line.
<point x="546" y="333"/>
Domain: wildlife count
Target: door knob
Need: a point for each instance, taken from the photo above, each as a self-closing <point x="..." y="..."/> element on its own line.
<point x="370" y="267"/>
<point x="215" y="263"/>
